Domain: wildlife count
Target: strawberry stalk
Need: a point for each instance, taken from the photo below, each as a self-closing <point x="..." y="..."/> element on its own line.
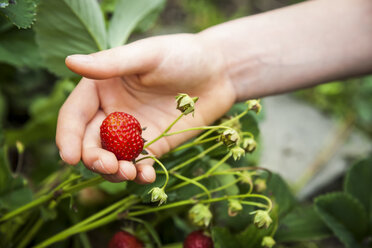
<point x="60" y="192"/>
<point x="164" y="132"/>
<point x="94" y="221"/>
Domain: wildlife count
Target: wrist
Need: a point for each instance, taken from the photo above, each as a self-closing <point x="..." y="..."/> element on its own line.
<point x="244" y="66"/>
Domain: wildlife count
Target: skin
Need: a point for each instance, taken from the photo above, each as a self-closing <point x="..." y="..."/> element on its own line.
<point x="278" y="51"/>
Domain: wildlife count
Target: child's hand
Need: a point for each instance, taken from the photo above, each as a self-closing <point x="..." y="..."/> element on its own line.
<point x="141" y="79"/>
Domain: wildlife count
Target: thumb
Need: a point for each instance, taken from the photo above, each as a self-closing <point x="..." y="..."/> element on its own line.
<point x="136" y="58"/>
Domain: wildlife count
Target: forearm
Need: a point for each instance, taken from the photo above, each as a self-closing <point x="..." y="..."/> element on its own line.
<point x="296" y="47"/>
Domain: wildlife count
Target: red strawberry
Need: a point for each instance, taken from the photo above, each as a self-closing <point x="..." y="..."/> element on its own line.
<point x="121" y="134"/>
<point x="198" y="239"/>
<point x="124" y="239"/>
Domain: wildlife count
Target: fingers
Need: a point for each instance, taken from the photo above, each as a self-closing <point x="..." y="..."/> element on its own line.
<point x="104" y="162"/>
<point x="94" y="157"/>
<point x="145" y="173"/>
<point x="127" y="171"/>
<point x="76" y="112"/>
<point x="135" y="58"/>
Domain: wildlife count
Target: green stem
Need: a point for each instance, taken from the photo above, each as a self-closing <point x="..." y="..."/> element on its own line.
<point x="256" y="204"/>
<point x="164" y="132"/>
<point x="189" y="180"/>
<point x="103" y="212"/>
<point x="219" y="188"/>
<point x="161" y="165"/>
<point x="67" y="182"/>
<point x="163" y="207"/>
<point x="27" y="207"/>
<point x="35" y="228"/>
<point x="89" y="225"/>
<point x="193" y="201"/>
<point x="223" y="160"/>
<point x="200" y="155"/>
<point x="207" y="174"/>
<point x="43" y="199"/>
<point x="193" y="143"/>
<point x="88" y="183"/>
<point x="224" y="123"/>
<point x="197" y="128"/>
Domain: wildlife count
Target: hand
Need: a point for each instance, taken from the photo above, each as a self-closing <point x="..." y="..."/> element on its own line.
<point x="141" y="79"/>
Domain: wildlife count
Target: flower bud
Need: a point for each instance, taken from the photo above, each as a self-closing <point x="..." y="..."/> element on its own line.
<point x="246" y="177"/>
<point x="200" y="215"/>
<point x="185" y="103"/>
<point x="229" y="137"/>
<point x="249" y="145"/>
<point x="260" y="184"/>
<point x="237" y="152"/>
<point x="158" y="195"/>
<point x="268" y="242"/>
<point x="234" y="207"/>
<point x="262" y="219"/>
<point x="254" y="105"/>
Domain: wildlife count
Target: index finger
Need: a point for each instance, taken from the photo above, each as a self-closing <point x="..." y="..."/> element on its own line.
<point x="75" y="113"/>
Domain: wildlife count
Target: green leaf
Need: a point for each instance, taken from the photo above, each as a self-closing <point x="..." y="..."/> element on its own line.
<point x="358" y="182"/>
<point x="344" y="215"/>
<point x="127" y="15"/>
<point x="67" y="27"/>
<point x="18" y="48"/>
<point x="149" y="20"/>
<point x="225" y="179"/>
<point x="302" y="224"/>
<point x="250" y="237"/>
<point x="113" y="188"/>
<point x="222" y="238"/>
<point x="282" y="194"/>
<point x="21" y="13"/>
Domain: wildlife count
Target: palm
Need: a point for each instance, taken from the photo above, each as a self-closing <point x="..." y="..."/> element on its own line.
<point x="147" y="92"/>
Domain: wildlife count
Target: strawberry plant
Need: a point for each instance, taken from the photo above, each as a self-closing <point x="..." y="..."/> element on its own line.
<point x="209" y="192"/>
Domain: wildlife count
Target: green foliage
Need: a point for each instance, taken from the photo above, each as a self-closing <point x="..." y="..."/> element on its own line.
<point x="358" y="182"/>
<point x="43" y="120"/>
<point x="21" y="13"/>
<point x="302" y="224"/>
<point x="113" y="188"/>
<point x="126" y="17"/>
<point x="344" y="215"/>
<point x="346" y="100"/>
<point x="282" y="194"/>
<point x="222" y="238"/>
<point x="14" y="191"/>
<point x="18" y="48"/>
<point x="67" y="27"/>
<point x="250" y="237"/>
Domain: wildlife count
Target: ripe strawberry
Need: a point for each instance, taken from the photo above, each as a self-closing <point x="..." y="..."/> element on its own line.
<point x="121" y="134"/>
<point x="198" y="239"/>
<point x="124" y="239"/>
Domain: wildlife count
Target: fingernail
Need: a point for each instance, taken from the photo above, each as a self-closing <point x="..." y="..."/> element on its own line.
<point x="78" y="58"/>
<point x="98" y="166"/>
